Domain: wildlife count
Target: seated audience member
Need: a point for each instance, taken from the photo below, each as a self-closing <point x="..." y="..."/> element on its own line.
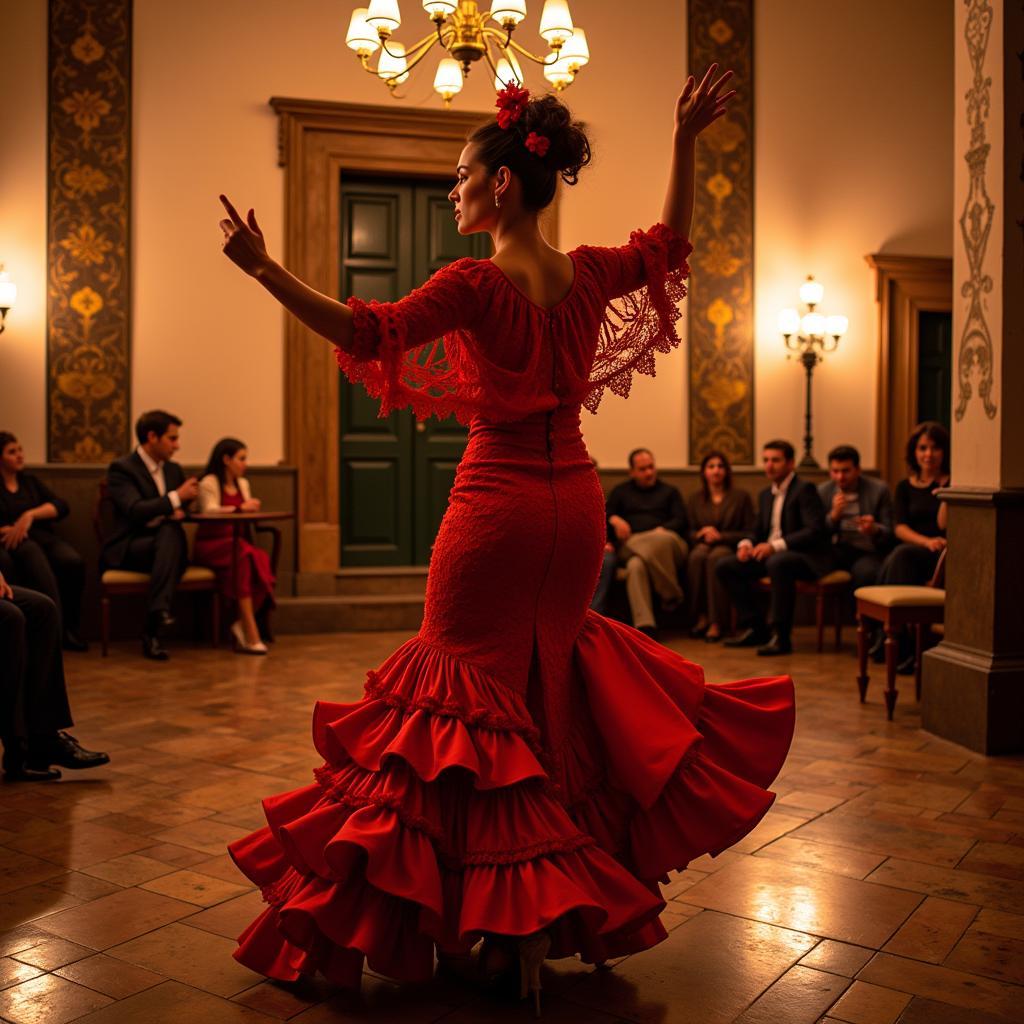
<point x="920" y="519"/>
<point x="858" y="514"/>
<point x="34" y="709"/>
<point x="789" y="543"/>
<point x="150" y="494"/>
<point x="647" y="523"/>
<point x="719" y="517"/>
<point x="243" y="570"/>
<point x="31" y="553"/>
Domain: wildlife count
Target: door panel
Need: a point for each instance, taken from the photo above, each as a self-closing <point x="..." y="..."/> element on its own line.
<point x="935" y="367"/>
<point x="395" y="474"/>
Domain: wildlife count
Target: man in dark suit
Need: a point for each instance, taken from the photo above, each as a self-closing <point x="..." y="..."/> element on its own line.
<point x="858" y="515"/>
<point x="149" y="493"/>
<point x="789" y="543"/>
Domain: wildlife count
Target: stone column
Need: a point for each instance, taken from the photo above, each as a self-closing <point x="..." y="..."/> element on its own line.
<point x="973" y="686"/>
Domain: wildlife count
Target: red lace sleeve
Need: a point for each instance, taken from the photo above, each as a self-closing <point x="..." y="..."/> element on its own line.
<point x="643" y="284"/>
<point x="405" y="352"/>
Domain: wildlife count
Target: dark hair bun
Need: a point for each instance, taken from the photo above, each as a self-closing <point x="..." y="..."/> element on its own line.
<point x="570" y="148"/>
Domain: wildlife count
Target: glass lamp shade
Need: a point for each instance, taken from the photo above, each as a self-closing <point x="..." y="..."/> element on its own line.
<point x="507" y="70"/>
<point x="555" y="23"/>
<point x="508" y="12"/>
<point x="439" y="8"/>
<point x="8" y="290"/>
<point x="575" y="50"/>
<point x="384" y="16"/>
<point x="558" y="73"/>
<point x="789" y="321"/>
<point x="360" y="36"/>
<point x="392" y="66"/>
<point x="811" y="292"/>
<point x="836" y="325"/>
<point x="813" y="325"/>
<point x="448" y="80"/>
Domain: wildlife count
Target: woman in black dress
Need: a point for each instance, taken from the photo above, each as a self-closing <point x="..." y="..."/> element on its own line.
<point x="31" y="553"/>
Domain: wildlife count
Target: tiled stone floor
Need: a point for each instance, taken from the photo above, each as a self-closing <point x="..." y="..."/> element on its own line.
<point x="885" y="885"/>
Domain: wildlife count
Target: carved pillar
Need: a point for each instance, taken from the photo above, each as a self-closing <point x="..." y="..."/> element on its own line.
<point x="974" y="680"/>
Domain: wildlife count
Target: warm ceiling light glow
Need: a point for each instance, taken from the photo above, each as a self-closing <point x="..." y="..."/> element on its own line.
<point x="555" y="23"/>
<point x="384" y="16"/>
<point x="439" y="8"/>
<point x="448" y="80"/>
<point x="558" y="73"/>
<point x="789" y="321"/>
<point x="508" y="12"/>
<point x="360" y="36"/>
<point x="575" y="51"/>
<point x="811" y="292"/>
<point x="507" y="70"/>
<point x="392" y="66"/>
<point x="836" y="325"/>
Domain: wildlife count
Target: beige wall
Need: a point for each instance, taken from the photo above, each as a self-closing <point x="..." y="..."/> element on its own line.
<point x="207" y="341"/>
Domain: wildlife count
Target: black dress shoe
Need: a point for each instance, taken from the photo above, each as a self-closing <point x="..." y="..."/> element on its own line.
<point x="778" y="644"/>
<point x="752" y="637"/>
<point x="23" y="773"/>
<point x="152" y="648"/>
<point x="73" y="642"/>
<point x="906" y="667"/>
<point x="64" y="750"/>
<point x="698" y="631"/>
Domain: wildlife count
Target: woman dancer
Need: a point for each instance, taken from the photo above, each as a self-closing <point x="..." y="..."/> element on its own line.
<point x="522" y="768"/>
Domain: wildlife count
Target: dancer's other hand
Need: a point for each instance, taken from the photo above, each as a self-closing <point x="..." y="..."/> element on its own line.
<point x="700" y="105"/>
<point x="243" y="240"/>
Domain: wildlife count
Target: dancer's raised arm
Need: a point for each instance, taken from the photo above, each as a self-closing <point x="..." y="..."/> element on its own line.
<point x="244" y="245"/>
<point x="697" y="107"/>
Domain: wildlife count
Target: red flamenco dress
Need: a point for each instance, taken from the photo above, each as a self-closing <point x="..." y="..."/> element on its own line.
<point x="522" y="763"/>
<point x="243" y="570"/>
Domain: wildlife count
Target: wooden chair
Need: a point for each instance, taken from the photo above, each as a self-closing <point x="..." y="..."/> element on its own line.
<point x="834" y="585"/>
<point x="125" y="583"/>
<point x="897" y="607"/>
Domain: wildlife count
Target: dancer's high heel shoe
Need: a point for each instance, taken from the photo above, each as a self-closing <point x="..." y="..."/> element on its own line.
<point x="532" y="951"/>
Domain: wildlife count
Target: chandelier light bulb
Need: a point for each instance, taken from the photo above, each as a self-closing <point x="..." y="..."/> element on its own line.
<point x="507" y="71"/>
<point x="813" y="325"/>
<point x="439" y="9"/>
<point x="8" y="289"/>
<point x="384" y="16"/>
<point x="558" y="73"/>
<point x="836" y="325"/>
<point x="393" y="67"/>
<point x="811" y="292"/>
<point x="360" y="36"/>
<point x="575" y="51"/>
<point x="508" y="12"/>
<point x="448" y="80"/>
<point x="789" y="321"/>
<point x="555" y="23"/>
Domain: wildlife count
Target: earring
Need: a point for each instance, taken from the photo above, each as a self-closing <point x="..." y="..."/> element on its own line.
<point x="497" y="201"/>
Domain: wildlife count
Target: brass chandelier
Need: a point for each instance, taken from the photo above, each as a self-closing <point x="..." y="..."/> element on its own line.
<point x="466" y="33"/>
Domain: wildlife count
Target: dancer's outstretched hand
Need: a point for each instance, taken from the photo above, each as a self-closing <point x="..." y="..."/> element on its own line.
<point x="701" y="105"/>
<point x="243" y="240"/>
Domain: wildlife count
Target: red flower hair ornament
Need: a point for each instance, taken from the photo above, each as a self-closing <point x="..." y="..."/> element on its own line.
<point x="511" y="103"/>
<point x="537" y="144"/>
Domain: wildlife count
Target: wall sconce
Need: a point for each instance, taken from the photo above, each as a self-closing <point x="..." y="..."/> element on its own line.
<point x="8" y="295"/>
<point x="809" y="336"/>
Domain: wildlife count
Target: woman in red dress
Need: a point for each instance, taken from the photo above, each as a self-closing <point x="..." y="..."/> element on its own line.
<point x="522" y="768"/>
<point x="244" y="573"/>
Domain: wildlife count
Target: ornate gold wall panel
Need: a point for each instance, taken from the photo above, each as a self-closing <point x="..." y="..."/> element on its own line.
<point x="88" y="177"/>
<point x="721" y="300"/>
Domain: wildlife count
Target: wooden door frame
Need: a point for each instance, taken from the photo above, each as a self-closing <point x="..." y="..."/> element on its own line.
<point x="905" y="286"/>
<point x="318" y="141"/>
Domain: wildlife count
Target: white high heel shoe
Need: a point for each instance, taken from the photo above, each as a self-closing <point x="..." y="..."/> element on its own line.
<point x="241" y="645"/>
<point x="532" y="951"/>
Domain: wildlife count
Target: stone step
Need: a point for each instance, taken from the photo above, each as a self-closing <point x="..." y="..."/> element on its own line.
<point x="395" y="580"/>
<point x="338" y="613"/>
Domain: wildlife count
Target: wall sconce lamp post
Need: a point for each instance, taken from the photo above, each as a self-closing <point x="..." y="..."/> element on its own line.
<point x="8" y="295"/>
<point x="808" y="337"/>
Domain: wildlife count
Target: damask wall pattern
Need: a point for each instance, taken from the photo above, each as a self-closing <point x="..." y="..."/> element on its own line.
<point x="88" y="177"/>
<point x="721" y="299"/>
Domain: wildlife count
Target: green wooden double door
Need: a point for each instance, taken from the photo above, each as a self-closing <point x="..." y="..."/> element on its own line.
<point x="395" y="473"/>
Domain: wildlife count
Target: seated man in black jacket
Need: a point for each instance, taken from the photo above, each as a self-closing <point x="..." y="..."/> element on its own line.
<point x="789" y="543"/>
<point x="34" y="708"/>
<point x="646" y="524"/>
<point x="149" y="494"/>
